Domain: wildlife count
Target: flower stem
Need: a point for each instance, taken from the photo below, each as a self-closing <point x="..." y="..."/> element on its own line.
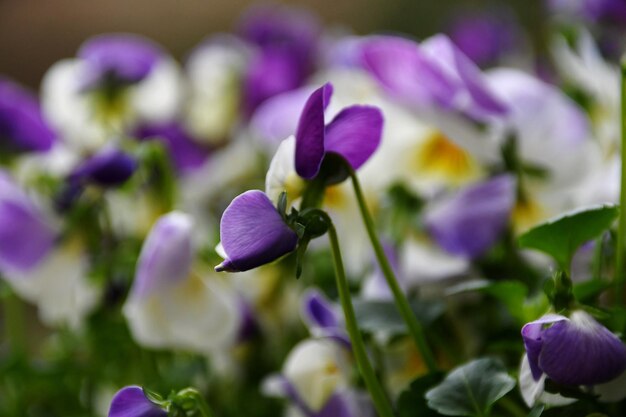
<point x="414" y="326"/>
<point x="621" y="232"/>
<point x="198" y="400"/>
<point x="14" y="323"/>
<point x="379" y="398"/>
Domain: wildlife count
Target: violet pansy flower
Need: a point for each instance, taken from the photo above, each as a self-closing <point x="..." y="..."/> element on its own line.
<point x="22" y="126"/>
<point x="322" y="319"/>
<point x="132" y="401"/>
<point x="354" y="133"/>
<point x="120" y="58"/>
<point x="253" y="233"/>
<point x="469" y="222"/>
<point x="573" y="351"/>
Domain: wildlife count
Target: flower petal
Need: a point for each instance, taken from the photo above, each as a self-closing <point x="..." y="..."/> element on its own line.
<point x="109" y="167"/>
<point x="581" y="352"/>
<point x="532" y="335"/>
<point x="253" y="233"/>
<point x="131" y="401"/>
<point x="310" y="133"/>
<point x="355" y="134"/>
<point x="469" y="222"/>
<point x="318" y="311"/>
<point x="26" y="235"/>
<point x="129" y="58"/>
<point x="166" y="255"/>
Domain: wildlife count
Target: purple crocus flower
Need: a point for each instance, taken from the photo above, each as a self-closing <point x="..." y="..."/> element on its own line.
<point x="434" y="74"/>
<point x="123" y="58"/>
<point x="109" y="167"/>
<point x="286" y="41"/>
<point x="166" y="255"/>
<point x="354" y="133"/>
<point x="132" y="401"/>
<point x="22" y="127"/>
<point x="253" y="233"/>
<point x="26" y="235"/>
<point x="470" y="221"/>
<point x="573" y="351"/>
<point x="186" y="154"/>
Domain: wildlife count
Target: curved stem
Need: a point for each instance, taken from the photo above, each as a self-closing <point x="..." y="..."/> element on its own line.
<point x="379" y="398"/>
<point x="198" y="400"/>
<point x="415" y="328"/>
<point x="621" y="231"/>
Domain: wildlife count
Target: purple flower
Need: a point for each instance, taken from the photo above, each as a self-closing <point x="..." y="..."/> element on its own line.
<point x="109" y="167"/>
<point x="186" y="154"/>
<point x="166" y="255"/>
<point x="253" y="233"/>
<point x="573" y="351"/>
<point x="354" y="133"/>
<point x="433" y="74"/>
<point x="469" y="222"/>
<point x="484" y="37"/>
<point x="26" y="235"/>
<point x="21" y="122"/>
<point x="123" y="58"/>
<point x="286" y="42"/>
<point x="131" y="401"/>
<point x="612" y="11"/>
<point x="322" y="319"/>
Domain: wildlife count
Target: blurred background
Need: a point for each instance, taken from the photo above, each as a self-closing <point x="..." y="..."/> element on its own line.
<point x="36" y="33"/>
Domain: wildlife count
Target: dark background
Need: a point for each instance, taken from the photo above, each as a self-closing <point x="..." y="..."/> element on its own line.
<point x="36" y="33"/>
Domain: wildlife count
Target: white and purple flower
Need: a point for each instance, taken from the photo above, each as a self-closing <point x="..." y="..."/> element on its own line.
<point x="573" y="351"/>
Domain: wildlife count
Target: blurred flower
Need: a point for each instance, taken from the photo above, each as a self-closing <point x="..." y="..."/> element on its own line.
<point x="171" y="305"/>
<point x="132" y="401"/>
<point x="484" y="37"/>
<point x="573" y="351"/>
<point x="22" y="127"/>
<point x="109" y="167"/>
<point x="607" y="11"/>
<point x="469" y="222"/>
<point x="286" y="47"/>
<point x="253" y="233"/>
<point x="322" y="318"/>
<point x="116" y="82"/>
<point x="39" y="266"/>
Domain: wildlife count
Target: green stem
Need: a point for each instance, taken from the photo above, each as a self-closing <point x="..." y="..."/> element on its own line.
<point x="381" y="402"/>
<point x="512" y="408"/>
<point x="14" y="323"/>
<point x="415" y="328"/>
<point x="199" y="401"/>
<point x="621" y="233"/>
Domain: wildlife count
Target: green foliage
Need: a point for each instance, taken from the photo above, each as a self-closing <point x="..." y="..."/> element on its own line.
<point x="412" y="402"/>
<point x="471" y="389"/>
<point x="383" y="316"/>
<point x="562" y="236"/>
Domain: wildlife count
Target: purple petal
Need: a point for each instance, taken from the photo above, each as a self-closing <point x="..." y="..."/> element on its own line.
<point x="471" y="221"/>
<point x="128" y="58"/>
<point x="277" y="118"/>
<point x="270" y="73"/>
<point x="109" y="167"/>
<point x="21" y="120"/>
<point x="26" y="237"/>
<point x="253" y="233"/>
<point x="318" y="311"/>
<point x="532" y="336"/>
<point x="337" y="406"/>
<point x="581" y="351"/>
<point x="131" y="401"/>
<point x="406" y="72"/>
<point x="166" y="255"/>
<point x="186" y="154"/>
<point x="310" y="133"/>
<point x="484" y="103"/>
<point x="355" y="134"/>
<point x="484" y="37"/>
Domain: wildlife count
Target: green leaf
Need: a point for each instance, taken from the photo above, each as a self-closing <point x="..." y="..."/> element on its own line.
<point x="412" y="402"/>
<point x="383" y="315"/>
<point x="471" y="389"/>
<point x="562" y="236"/>
<point x="536" y="411"/>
